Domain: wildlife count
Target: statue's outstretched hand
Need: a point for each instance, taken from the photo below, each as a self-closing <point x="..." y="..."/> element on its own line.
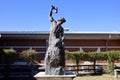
<point x="54" y="8"/>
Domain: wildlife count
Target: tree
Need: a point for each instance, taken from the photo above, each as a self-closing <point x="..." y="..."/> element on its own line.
<point x="110" y="56"/>
<point x="28" y="55"/>
<point x="75" y="56"/>
<point x="9" y="56"/>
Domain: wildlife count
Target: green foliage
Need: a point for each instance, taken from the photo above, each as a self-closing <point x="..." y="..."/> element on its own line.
<point x="28" y="55"/>
<point x="110" y="67"/>
<point x="101" y="56"/>
<point x="113" y="55"/>
<point x="87" y="55"/>
<point x="9" y="55"/>
<point x="110" y="56"/>
<point x="9" y="52"/>
<point x="75" y="56"/>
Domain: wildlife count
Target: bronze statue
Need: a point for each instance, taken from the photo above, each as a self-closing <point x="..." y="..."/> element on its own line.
<point x="55" y="55"/>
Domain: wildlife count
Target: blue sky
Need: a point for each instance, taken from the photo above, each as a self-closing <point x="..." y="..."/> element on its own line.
<point x="81" y="15"/>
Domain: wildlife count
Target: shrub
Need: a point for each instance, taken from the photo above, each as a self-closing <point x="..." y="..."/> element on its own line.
<point x="28" y="55"/>
<point x="110" y="56"/>
<point x="9" y="55"/>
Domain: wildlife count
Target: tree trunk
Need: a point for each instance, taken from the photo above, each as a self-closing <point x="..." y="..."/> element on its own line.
<point x="94" y="65"/>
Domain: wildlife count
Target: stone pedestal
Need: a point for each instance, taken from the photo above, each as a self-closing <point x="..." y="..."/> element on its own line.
<point x="42" y="76"/>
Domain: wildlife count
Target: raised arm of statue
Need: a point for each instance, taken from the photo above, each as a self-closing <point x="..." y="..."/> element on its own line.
<point x="50" y="13"/>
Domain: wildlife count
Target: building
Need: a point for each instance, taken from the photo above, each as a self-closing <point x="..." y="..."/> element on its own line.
<point x="74" y="41"/>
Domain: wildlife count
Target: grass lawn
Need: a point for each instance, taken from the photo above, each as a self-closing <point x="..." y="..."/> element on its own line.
<point x="102" y="77"/>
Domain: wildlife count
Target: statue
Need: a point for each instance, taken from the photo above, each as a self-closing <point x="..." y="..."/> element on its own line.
<point x="55" y="55"/>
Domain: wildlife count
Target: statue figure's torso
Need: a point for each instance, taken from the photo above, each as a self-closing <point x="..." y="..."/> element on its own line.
<point x="56" y="34"/>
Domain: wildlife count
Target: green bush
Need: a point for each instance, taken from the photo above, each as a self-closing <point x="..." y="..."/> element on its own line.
<point x="75" y="56"/>
<point x="110" y="56"/>
<point x="28" y="55"/>
<point x="9" y="55"/>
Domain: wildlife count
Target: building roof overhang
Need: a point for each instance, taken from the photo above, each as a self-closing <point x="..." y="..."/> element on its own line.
<point x="68" y="35"/>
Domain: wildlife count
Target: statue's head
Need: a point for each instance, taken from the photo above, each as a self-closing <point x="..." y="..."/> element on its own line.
<point x="61" y="20"/>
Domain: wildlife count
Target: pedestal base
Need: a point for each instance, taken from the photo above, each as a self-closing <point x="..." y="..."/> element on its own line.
<point x="42" y="76"/>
